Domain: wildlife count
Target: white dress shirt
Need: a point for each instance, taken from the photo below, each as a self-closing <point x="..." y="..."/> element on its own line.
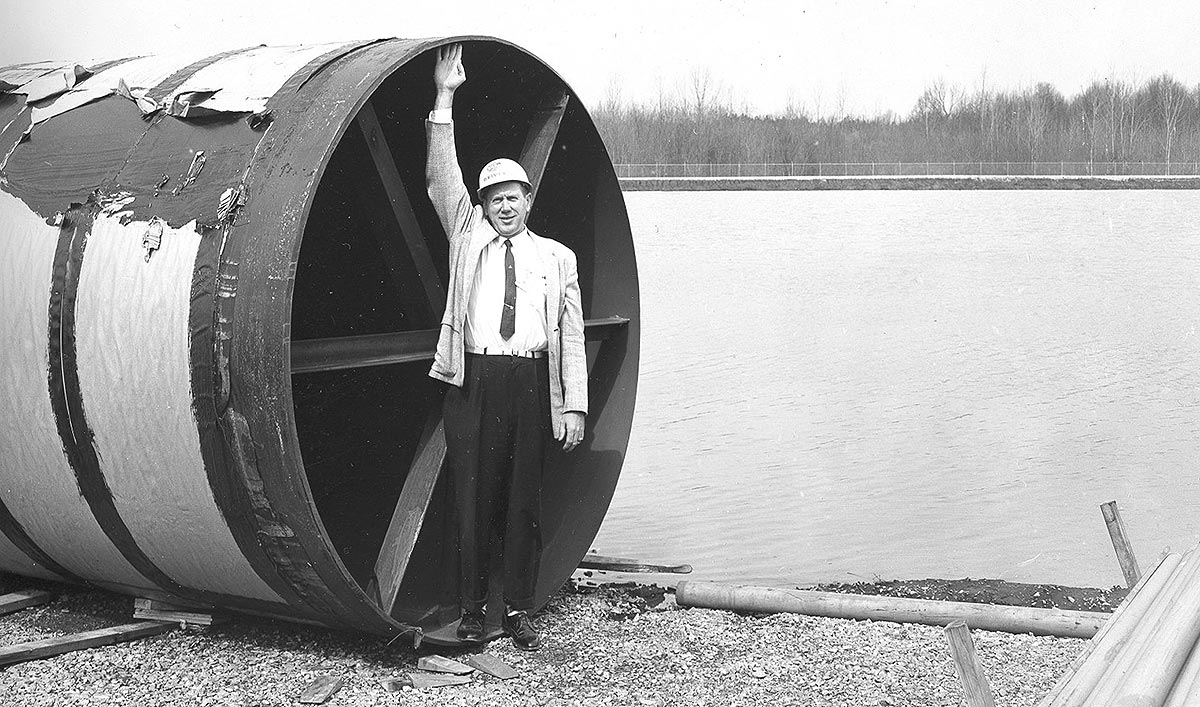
<point x="487" y="291"/>
<point x="486" y="305"/>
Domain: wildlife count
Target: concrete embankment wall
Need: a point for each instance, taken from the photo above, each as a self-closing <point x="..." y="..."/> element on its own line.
<point x="900" y="183"/>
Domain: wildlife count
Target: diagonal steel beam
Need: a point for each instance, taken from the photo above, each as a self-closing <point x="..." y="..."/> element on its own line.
<point x="406" y="218"/>
<point x="409" y="515"/>
<point x="543" y="134"/>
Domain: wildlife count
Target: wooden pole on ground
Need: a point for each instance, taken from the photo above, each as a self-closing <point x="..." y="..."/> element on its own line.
<point x="1093" y="661"/>
<point x="966" y="663"/>
<point x="1120" y="541"/>
<point x="985" y="617"/>
<point x="1143" y="673"/>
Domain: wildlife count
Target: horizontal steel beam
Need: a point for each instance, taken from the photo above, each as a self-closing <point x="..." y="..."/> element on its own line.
<point x="315" y="355"/>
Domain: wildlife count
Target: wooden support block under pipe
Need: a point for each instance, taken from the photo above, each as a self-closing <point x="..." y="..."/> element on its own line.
<point x="986" y="617"/>
<point x="1120" y="541"/>
<point x="15" y="601"/>
<point x="1092" y="662"/>
<point x="1145" y="670"/>
<point x="966" y="664"/>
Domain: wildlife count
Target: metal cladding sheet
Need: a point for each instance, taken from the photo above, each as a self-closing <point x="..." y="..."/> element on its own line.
<point x="134" y="375"/>
<point x="135" y="75"/>
<point x="36" y="482"/>
<point x="53" y="83"/>
<point x="13" y="77"/>
<point x="243" y="82"/>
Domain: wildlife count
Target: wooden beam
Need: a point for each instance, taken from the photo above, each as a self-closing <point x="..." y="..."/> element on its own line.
<point x="409" y="514"/>
<point x="337" y="353"/>
<point x="1120" y="541"/>
<point x="47" y="647"/>
<point x="543" y="133"/>
<point x="406" y="218"/>
<point x="966" y="664"/>
<point x="15" y="601"/>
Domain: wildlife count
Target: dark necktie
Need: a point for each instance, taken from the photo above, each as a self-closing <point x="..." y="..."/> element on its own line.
<point x="508" y="317"/>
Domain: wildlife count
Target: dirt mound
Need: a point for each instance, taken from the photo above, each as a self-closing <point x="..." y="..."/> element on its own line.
<point x="988" y="591"/>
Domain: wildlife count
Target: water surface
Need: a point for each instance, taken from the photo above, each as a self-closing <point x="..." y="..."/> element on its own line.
<point x="848" y="385"/>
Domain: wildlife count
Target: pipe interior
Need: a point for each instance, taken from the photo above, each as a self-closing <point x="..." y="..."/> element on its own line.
<point x="358" y="428"/>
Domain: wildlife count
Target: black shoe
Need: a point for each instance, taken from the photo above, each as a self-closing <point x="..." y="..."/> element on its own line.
<point x="519" y="626"/>
<point x="470" y="628"/>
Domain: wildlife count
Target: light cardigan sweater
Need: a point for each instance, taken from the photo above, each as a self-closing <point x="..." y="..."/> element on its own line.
<point x="469" y="232"/>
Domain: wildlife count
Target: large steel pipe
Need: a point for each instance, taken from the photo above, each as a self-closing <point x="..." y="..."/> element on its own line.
<point x="220" y="282"/>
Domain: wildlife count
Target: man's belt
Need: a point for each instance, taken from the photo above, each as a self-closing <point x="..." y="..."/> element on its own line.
<point x="495" y="351"/>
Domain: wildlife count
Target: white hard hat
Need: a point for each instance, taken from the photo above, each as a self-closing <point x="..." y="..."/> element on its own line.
<point x="502" y="170"/>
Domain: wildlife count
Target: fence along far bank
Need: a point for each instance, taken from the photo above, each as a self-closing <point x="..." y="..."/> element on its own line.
<point x="663" y="170"/>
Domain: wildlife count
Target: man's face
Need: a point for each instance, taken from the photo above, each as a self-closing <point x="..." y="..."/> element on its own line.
<point x="507" y="206"/>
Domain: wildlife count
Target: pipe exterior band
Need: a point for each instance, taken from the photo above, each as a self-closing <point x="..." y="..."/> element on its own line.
<point x="12" y="557"/>
<point x="134" y="376"/>
<point x="37" y="484"/>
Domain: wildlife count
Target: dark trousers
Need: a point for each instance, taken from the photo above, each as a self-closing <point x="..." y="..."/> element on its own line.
<point x="497" y="431"/>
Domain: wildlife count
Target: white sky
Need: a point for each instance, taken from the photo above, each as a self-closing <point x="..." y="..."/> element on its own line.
<point x="867" y="56"/>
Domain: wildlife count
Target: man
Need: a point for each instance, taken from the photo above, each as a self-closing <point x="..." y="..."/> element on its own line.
<point x="511" y="348"/>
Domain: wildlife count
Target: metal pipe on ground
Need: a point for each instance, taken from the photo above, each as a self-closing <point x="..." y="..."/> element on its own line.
<point x="985" y="617"/>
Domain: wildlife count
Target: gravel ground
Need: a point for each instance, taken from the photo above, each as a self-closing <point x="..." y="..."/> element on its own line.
<point x="603" y="646"/>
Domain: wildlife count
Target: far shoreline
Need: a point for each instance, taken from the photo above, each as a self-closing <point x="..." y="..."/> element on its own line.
<point x="904" y="183"/>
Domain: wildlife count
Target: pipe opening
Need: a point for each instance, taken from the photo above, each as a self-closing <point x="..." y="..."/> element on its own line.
<point x="362" y="281"/>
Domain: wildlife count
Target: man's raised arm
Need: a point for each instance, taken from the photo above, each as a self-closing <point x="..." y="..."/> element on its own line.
<point x="443" y="175"/>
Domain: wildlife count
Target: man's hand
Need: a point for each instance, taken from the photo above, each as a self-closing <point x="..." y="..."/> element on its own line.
<point x="571" y="432"/>
<point x="448" y="73"/>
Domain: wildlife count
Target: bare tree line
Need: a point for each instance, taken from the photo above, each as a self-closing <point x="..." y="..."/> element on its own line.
<point x="1110" y="121"/>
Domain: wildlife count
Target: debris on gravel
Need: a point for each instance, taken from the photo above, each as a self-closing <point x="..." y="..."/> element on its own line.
<point x="607" y="645"/>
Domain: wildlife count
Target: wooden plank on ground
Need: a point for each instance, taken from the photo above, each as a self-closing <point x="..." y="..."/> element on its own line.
<point x="409" y="514"/>
<point x="47" y="647"/>
<point x="425" y="681"/>
<point x="442" y="664"/>
<point x="320" y="690"/>
<point x="15" y="601"/>
<point x="490" y="664"/>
